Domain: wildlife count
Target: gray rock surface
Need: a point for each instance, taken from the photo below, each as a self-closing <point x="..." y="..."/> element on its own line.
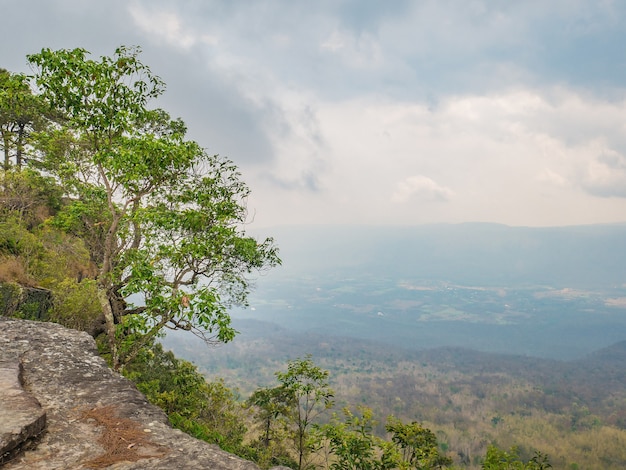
<point x="94" y="418"/>
<point x="21" y="417"/>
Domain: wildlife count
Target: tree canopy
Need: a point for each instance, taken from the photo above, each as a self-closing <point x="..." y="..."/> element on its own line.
<point x="163" y="219"/>
<point x="21" y="113"/>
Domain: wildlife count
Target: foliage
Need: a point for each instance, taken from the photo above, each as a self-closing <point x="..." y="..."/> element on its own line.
<point x="208" y="411"/>
<point x="353" y="445"/>
<point x="49" y="259"/>
<point x="271" y="407"/>
<point x="28" y="196"/>
<point x="418" y="445"/>
<point x="309" y="390"/>
<point x="20" y="251"/>
<point x="21" y="113"/>
<point x="498" y="459"/>
<point x="75" y="304"/>
<point x="351" y="442"/>
<point x="34" y="253"/>
<point x="161" y="218"/>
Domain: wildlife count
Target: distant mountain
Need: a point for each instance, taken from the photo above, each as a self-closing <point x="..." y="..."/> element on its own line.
<point x="597" y="380"/>
<point x="488" y="254"/>
<point x="614" y="354"/>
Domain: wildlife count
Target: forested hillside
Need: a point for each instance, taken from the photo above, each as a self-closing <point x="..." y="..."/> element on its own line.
<point x="574" y="411"/>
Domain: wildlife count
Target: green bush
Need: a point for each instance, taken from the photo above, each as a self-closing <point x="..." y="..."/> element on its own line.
<point x="208" y="411"/>
<point x="75" y="304"/>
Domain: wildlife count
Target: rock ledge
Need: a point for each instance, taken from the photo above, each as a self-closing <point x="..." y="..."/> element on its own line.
<point x="57" y="390"/>
<point x="21" y="417"/>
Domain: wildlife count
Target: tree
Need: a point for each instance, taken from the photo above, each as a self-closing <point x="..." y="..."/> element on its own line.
<point x="353" y="446"/>
<point x="271" y="404"/>
<point x="418" y="445"/>
<point x="21" y="112"/>
<point x="308" y="386"/>
<point x="162" y="218"/>
<point x="498" y="459"/>
<point x="271" y="408"/>
<point x="352" y="443"/>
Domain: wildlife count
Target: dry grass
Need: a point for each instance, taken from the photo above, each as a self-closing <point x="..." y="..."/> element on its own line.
<point x="122" y="439"/>
<point x="13" y="270"/>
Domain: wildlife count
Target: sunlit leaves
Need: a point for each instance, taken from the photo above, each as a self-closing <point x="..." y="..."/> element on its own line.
<point x="100" y="97"/>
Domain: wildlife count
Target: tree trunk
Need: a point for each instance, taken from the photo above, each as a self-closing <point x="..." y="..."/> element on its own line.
<point x="7" y="160"/>
<point x="19" y="146"/>
<point x="109" y="325"/>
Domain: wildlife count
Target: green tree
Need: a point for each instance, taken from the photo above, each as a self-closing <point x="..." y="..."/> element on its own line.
<point x="270" y="409"/>
<point x="418" y="445"/>
<point x="21" y="112"/>
<point x="270" y="404"/>
<point x="308" y="386"/>
<point x="499" y="459"/>
<point x="351" y="444"/>
<point x="162" y="218"/>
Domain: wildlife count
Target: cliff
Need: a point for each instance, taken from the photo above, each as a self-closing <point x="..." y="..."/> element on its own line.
<point x="62" y="407"/>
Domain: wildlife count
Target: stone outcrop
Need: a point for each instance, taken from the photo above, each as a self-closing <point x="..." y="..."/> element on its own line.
<point x="62" y="407"/>
<point x="21" y="416"/>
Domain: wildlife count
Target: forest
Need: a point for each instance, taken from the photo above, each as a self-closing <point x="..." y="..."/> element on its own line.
<point x="113" y="222"/>
<point x="571" y="410"/>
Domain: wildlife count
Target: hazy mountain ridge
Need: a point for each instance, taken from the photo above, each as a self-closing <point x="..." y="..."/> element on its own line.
<point x="555" y="292"/>
<point x="264" y="344"/>
<point x="489" y="254"/>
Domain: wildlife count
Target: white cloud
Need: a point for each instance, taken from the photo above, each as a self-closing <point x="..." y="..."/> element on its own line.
<point x="383" y="161"/>
<point x="606" y="175"/>
<point x="422" y="187"/>
<point x="552" y="178"/>
<point x="358" y="51"/>
<point x="167" y="25"/>
<point x="334" y="42"/>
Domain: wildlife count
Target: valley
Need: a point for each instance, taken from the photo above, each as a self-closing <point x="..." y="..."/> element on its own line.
<point x="513" y="340"/>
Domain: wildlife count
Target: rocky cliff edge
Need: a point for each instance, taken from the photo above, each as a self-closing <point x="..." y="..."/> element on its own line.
<point x="62" y="407"/>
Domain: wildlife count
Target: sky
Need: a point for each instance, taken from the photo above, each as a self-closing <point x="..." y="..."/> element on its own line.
<point x="380" y="112"/>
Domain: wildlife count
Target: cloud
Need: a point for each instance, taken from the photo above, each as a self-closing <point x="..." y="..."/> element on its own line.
<point x="605" y="175"/>
<point x="168" y="26"/>
<point x="307" y="181"/>
<point x="552" y="178"/>
<point x="355" y="51"/>
<point x="422" y="188"/>
<point x="336" y="112"/>
<point x="515" y="157"/>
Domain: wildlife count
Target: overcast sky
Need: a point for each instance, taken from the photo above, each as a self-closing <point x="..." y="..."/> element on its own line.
<point x="380" y="112"/>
